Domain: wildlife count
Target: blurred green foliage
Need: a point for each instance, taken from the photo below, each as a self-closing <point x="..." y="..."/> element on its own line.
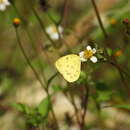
<point x="99" y="84"/>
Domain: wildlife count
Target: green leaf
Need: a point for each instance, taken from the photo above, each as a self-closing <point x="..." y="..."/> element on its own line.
<point x="83" y="78"/>
<point x="2" y="112"/>
<point x="123" y="106"/>
<point x="103" y="93"/>
<point x="101" y="86"/>
<point x="57" y="88"/>
<point x="103" y="96"/>
<point x="54" y="15"/>
<point x="40" y="65"/>
<point x="35" y="119"/>
<point x="6" y="84"/>
<point x="22" y="108"/>
<point x="44" y="106"/>
<point x="109" y="51"/>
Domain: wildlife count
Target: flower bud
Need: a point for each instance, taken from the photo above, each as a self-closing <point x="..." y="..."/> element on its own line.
<point x="16" y="22"/>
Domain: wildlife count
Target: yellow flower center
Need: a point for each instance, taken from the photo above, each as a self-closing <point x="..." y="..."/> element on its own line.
<point x="16" y="21"/>
<point x="54" y="29"/>
<point x="113" y="21"/>
<point x="1" y="1"/>
<point x="88" y="54"/>
<point x="119" y="53"/>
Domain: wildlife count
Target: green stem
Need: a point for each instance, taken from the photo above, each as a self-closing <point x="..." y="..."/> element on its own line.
<point x="60" y="37"/>
<point x="101" y="26"/>
<point x="29" y="62"/>
<point x="106" y="37"/>
<point x="122" y="73"/>
<point x="85" y="105"/>
<point x="43" y="27"/>
<point x="99" y="18"/>
<point x="29" y="36"/>
<point x="50" y="80"/>
<point x="27" y="59"/>
<point x="16" y="10"/>
<point x="52" y="19"/>
<point x="35" y="72"/>
<point x="34" y="48"/>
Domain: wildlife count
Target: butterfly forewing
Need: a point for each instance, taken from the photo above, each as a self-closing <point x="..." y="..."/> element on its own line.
<point x="69" y="66"/>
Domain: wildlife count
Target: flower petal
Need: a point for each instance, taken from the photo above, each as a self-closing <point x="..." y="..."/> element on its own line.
<point x="81" y="55"/>
<point x="49" y="30"/>
<point x="93" y="59"/>
<point x="60" y="29"/>
<point x="88" y="48"/>
<point x="2" y="7"/>
<point x="54" y="36"/>
<point x="7" y="2"/>
<point x="83" y="59"/>
<point x="94" y="50"/>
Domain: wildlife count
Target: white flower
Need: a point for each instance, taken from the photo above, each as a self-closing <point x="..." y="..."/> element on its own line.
<point x="54" y="32"/>
<point x="3" y="4"/>
<point x="88" y="54"/>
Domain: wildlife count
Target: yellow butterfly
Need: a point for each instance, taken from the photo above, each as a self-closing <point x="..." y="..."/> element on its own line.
<point x="69" y="66"/>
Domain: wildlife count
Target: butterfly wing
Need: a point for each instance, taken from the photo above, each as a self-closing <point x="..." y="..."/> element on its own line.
<point x="69" y="66"/>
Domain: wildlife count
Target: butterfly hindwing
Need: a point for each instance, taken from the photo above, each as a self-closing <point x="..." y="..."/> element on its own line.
<point x="69" y="66"/>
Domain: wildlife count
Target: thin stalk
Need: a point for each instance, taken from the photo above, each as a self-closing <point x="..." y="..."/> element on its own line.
<point x="52" y="110"/>
<point x="106" y="36"/>
<point x="75" y="108"/>
<point x="122" y="73"/>
<point x="29" y="62"/>
<point x="27" y="59"/>
<point x="85" y="103"/>
<point x="16" y="10"/>
<point x="64" y="14"/>
<point x="101" y="26"/>
<point x="34" y="48"/>
<point x="51" y="78"/>
<point x="99" y="117"/>
<point x="43" y="27"/>
<point x="61" y="39"/>
<point x="72" y="102"/>
<point x="29" y="36"/>
<point x="34" y="71"/>
<point x="52" y="19"/>
<point x="99" y="18"/>
<point x="57" y="25"/>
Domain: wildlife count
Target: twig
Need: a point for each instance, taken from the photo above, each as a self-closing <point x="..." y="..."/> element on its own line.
<point x="75" y="109"/>
<point x="27" y="59"/>
<point x="43" y="27"/>
<point x="29" y="63"/>
<point x="85" y="104"/>
<point x="99" y="18"/>
<point x="52" y="19"/>
<point x="50" y="80"/>
<point x="106" y="36"/>
<point x="35" y="72"/>
<point x="64" y="14"/>
<point x="121" y="73"/>
<point x="61" y="39"/>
